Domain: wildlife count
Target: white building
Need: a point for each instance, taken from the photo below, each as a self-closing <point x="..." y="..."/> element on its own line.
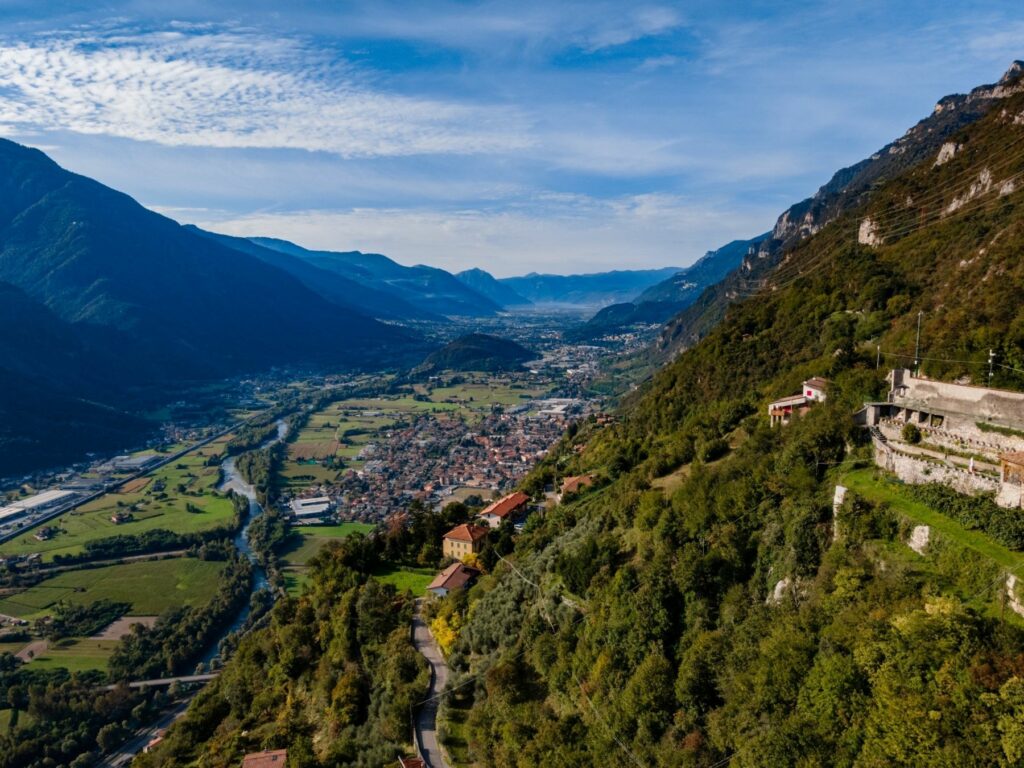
<point x="317" y="506"/>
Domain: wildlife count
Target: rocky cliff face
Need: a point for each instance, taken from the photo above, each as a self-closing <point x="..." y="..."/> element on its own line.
<point x="849" y="187"/>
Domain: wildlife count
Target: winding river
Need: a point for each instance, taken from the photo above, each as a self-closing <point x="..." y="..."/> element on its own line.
<point x="231" y="480"/>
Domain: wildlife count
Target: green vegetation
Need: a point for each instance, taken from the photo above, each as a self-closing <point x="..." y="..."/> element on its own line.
<point x="303" y="543"/>
<point x="331" y="678"/>
<point x="180" y="498"/>
<point x="75" y="655"/>
<point x="920" y="506"/>
<point x="984" y="426"/>
<point x="150" y="587"/>
<point x="403" y="578"/>
<point x="911" y="434"/>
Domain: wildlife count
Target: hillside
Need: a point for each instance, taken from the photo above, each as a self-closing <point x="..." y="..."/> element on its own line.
<point x="108" y="306"/>
<point x="706" y="606"/>
<point x="477" y="352"/>
<point x="332" y="286"/>
<point x="429" y="289"/>
<point x="588" y="291"/>
<point x="661" y="301"/>
<point x="485" y="284"/>
<point x="847" y="189"/>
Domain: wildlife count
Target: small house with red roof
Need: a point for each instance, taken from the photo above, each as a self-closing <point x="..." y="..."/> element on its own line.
<point x="512" y="507"/>
<point x="455" y="576"/>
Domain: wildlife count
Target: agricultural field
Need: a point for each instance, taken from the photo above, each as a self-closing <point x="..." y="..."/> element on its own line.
<point x="481" y="395"/>
<point x="75" y="655"/>
<point x="180" y="497"/>
<point x="305" y="542"/>
<point x="151" y="586"/>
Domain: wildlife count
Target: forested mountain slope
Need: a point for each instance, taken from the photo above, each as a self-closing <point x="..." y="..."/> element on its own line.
<point x="95" y="256"/>
<point x="701" y="606"/>
<point x="667" y="298"/>
<point x="846" y="190"/>
<point x="484" y="283"/>
<point x="429" y="289"/>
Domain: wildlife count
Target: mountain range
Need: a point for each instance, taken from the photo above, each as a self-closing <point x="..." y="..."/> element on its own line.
<point x="586" y="291"/>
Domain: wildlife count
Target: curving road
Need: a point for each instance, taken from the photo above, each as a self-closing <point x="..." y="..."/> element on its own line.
<point x="425" y="721"/>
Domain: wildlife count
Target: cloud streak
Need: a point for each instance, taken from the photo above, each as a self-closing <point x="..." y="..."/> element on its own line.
<point x="232" y="90"/>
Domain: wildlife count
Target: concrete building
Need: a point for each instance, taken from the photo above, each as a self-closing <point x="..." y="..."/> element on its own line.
<point x="781" y="412"/>
<point x="134" y="463"/>
<point x="972" y="438"/>
<point x="317" y="506"/>
<point x="463" y="540"/>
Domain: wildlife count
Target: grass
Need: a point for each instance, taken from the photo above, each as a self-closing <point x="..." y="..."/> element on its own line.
<point x="150" y="586"/>
<point x="24" y="719"/>
<point x="404" y="578"/>
<point x="186" y="481"/>
<point x="75" y="655"/>
<point x="864" y="483"/>
<point x="455" y="741"/>
<point x="304" y="543"/>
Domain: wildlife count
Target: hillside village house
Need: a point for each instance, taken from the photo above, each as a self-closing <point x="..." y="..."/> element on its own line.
<point x="270" y="758"/>
<point x="463" y="540"/>
<point x="780" y="412"/>
<point x="575" y="484"/>
<point x="512" y="507"/>
<point x="455" y="576"/>
<point x="972" y="437"/>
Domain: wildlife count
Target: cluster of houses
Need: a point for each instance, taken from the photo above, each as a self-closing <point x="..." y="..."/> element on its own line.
<point x="468" y="538"/>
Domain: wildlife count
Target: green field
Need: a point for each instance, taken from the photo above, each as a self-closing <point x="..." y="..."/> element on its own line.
<point x="162" y="503"/>
<point x="864" y="483"/>
<point x="482" y="395"/>
<point x="413" y="579"/>
<point x="305" y="542"/>
<point x="150" y="586"/>
<point x="75" y="655"/>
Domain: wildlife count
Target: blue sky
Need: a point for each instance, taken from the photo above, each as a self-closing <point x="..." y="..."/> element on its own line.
<point x="514" y="136"/>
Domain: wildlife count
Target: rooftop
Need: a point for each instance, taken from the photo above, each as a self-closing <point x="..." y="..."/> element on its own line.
<point x="467" y="532"/>
<point x="271" y="758"/>
<point x="454" y="576"/>
<point x="505" y="506"/>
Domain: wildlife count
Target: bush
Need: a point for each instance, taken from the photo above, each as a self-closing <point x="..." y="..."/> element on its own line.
<point x="911" y="434"/>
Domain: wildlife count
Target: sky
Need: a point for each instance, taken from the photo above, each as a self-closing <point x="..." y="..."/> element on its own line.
<point x="513" y="136"/>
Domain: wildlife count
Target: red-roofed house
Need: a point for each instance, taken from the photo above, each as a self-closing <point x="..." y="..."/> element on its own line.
<point x="463" y="540"/>
<point x="411" y="762"/>
<point x="455" y="576"/>
<point x="270" y="758"/>
<point x="511" y="507"/>
<point x="576" y="483"/>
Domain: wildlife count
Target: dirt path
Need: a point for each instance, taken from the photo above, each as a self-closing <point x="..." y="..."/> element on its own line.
<point x="33" y="649"/>
<point x="426" y="716"/>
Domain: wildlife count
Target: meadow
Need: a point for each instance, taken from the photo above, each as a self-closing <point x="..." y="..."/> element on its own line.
<point x="180" y="497"/>
<point x="404" y="578"/>
<point x="150" y="586"/>
<point x="75" y="655"/>
<point x="304" y="542"/>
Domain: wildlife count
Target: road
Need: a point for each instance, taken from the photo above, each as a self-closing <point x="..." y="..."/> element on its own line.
<point x="425" y="721"/>
<point x="44" y="517"/>
<point x="127" y="752"/>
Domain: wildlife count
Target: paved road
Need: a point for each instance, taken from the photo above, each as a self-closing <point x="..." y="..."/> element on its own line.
<point x="127" y="752"/>
<point x="426" y="717"/>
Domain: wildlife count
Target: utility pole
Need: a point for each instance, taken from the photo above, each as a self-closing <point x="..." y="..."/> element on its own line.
<point x="917" y="346"/>
<point x="991" y="360"/>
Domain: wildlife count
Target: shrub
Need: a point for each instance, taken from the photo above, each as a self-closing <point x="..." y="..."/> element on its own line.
<point x="911" y="434"/>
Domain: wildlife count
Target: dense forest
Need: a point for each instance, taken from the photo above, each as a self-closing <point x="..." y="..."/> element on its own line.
<point x="332" y="678"/>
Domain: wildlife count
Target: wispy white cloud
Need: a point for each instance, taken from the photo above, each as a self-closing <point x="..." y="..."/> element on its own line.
<point x="201" y="87"/>
<point x="552" y="233"/>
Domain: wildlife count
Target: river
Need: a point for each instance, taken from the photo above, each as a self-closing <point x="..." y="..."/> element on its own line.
<point x="231" y="480"/>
